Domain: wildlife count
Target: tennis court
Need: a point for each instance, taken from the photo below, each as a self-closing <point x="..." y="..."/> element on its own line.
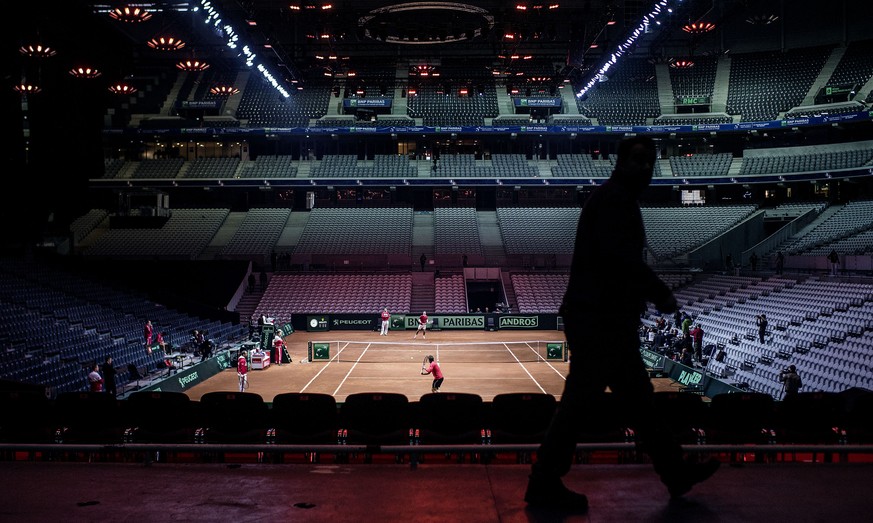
<point x="478" y="362"/>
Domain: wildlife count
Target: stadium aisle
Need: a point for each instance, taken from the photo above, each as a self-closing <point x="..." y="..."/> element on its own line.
<point x="472" y="493"/>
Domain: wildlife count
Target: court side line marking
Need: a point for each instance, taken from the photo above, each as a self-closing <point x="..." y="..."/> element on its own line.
<point x="351" y="369"/>
<point x="525" y="369"/>
<point x="334" y="358"/>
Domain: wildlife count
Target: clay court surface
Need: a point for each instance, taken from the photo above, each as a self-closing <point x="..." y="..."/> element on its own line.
<point x="393" y="364"/>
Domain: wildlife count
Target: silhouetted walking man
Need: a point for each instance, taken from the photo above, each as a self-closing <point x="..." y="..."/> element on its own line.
<point x="601" y="311"/>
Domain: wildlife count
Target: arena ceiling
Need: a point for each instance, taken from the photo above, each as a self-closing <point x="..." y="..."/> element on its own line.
<point x="299" y="37"/>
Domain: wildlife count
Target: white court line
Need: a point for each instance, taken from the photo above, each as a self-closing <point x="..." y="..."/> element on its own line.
<point x="335" y="356"/>
<point x="351" y="369"/>
<point x="525" y="369"/>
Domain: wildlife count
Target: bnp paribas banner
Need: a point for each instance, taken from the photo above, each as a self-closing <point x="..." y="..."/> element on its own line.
<point x="449" y="322"/>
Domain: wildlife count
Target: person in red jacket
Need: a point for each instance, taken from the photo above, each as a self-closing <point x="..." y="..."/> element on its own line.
<point x="697" y="339"/>
<point x="148" y="331"/>
<point x="385" y="316"/>
<point x="242" y="371"/>
<point x="278" y="348"/>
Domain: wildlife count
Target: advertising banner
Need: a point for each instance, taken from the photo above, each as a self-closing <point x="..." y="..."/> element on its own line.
<point x="317" y="323"/>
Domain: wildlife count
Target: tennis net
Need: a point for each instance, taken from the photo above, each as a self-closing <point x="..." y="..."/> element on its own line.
<point x="456" y="352"/>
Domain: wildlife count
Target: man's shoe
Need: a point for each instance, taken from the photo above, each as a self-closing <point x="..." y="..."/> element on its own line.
<point x="680" y="481"/>
<point x="551" y="493"/>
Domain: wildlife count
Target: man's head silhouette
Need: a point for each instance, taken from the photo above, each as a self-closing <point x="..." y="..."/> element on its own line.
<point x="635" y="163"/>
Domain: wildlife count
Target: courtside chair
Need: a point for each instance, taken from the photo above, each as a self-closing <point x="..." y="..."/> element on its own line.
<point x="160" y="417"/>
<point x="604" y="421"/>
<point x="233" y="417"/>
<point x="859" y="419"/>
<point x="25" y="417"/>
<point x="300" y="418"/>
<point x="375" y="418"/>
<point x="683" y="414"/>
<point x="451" y="418"/>
<point x="812" y="418"/>
<point x="742" y="418"/>
<point x="89" y="418"/>
<point x="520" y="417"/>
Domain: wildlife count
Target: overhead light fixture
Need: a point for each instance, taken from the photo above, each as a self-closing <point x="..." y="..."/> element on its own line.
<point x="762" y="19"/>
<point x="659" y="59"/>
<point x="192" y="66"/>
<point x="122" y="88"/>
<point x="85" y="72"/>
<point x="698" y="28"/>
<point x="26" y="88"/>
<point x="166" y="43"/>
<point x="682" y="64"/>
<point x="37" y="51"/>
<point x="224" y="90"/>
<point x="130" y="14"/>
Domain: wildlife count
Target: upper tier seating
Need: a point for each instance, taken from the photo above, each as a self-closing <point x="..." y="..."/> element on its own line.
<point x="807" y="158"/>
<point x="856" y="65"/>
<point x="695" y="81"/>
<point x="258" y="233"/>
<point x="854" y="217"/>
<point x="456" y="231"/>
<point x="212" y="168"/>
<point x="160" y="168"/>
<point x="629" y="97"/>
<point x="437" y="107"/>
<point x="537" y="230"/>
<point x="184" y="235"/>
<point x="83" y="225"/>
<point x="716" y="164"/>
<point x="348" y="166"/>
<point x="262" y="106"/>
<point x="268" y="166"/>
<point x="764" y="84"/>
<point x="671" y="231"/>
<point x="357" y="231"/>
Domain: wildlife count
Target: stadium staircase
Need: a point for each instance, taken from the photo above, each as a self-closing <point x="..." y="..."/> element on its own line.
<point x="824" y="75"/>
<point x="292" y="231"/>
<point x="224" y="235"/>
<point x="568" y="101"/>
<point x="422" y="235"/>
<point x="665" y="89"/>
<point x="720" y="86"/>
<point x="770" y="257"/>
<point x="490" y="237"/>
<point x="509" y="291"/>
<point x="249" y="303"/>
<point x="423" y="292"/>
<point x="504" y="101"/>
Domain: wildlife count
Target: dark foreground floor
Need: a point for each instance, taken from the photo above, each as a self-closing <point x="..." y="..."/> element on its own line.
<point x="784" y="492"/>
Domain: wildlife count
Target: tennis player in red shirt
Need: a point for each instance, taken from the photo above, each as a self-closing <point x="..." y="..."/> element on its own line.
<point x="422" y="326"/>
<point x="434" y="368"/>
